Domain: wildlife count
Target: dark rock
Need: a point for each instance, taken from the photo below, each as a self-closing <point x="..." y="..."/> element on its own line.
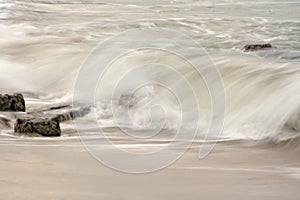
<point x="13" y="102"/>
<point x="47" y="124"/>
<point x="253" y="47"/>
<point x="42" y="126"/>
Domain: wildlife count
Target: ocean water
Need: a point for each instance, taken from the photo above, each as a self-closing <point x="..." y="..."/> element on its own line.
<point x="44" y="44"/>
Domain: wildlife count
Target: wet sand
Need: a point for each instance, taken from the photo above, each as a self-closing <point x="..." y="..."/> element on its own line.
<point x="64" y="170"/>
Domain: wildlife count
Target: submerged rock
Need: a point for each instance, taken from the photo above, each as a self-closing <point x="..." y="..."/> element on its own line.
<point x="45" y="127"/>
<point x="73" y="114"/>
<point x="14" y="102"/>
<point x="59" y="107"/>
<point x="129" y="100"/>
<point x="4" y="122"/>
<point x="253" y="47"/>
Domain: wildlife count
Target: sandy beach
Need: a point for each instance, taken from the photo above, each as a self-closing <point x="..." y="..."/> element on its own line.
<point x="64" y="170"/>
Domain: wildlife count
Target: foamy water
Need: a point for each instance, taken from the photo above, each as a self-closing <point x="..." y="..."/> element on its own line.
<point x="44" y="43"/>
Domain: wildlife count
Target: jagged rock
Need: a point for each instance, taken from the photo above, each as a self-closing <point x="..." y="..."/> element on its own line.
<point x="47" y="124"/>
<point x="45" y="127"/>
<point x="253" y="47"/>
<point x="14" y="102"/>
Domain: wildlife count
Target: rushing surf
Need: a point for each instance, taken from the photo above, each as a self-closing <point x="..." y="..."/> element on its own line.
<point x="43" y="45"/>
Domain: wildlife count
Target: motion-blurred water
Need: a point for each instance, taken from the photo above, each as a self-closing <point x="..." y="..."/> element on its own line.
<point x="43" y="44"/>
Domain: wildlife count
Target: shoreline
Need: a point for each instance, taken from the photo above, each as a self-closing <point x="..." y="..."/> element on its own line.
<point x="67" y="171"/>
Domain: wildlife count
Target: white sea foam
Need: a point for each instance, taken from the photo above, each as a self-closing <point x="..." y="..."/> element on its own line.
<point x="41" y="52"/>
